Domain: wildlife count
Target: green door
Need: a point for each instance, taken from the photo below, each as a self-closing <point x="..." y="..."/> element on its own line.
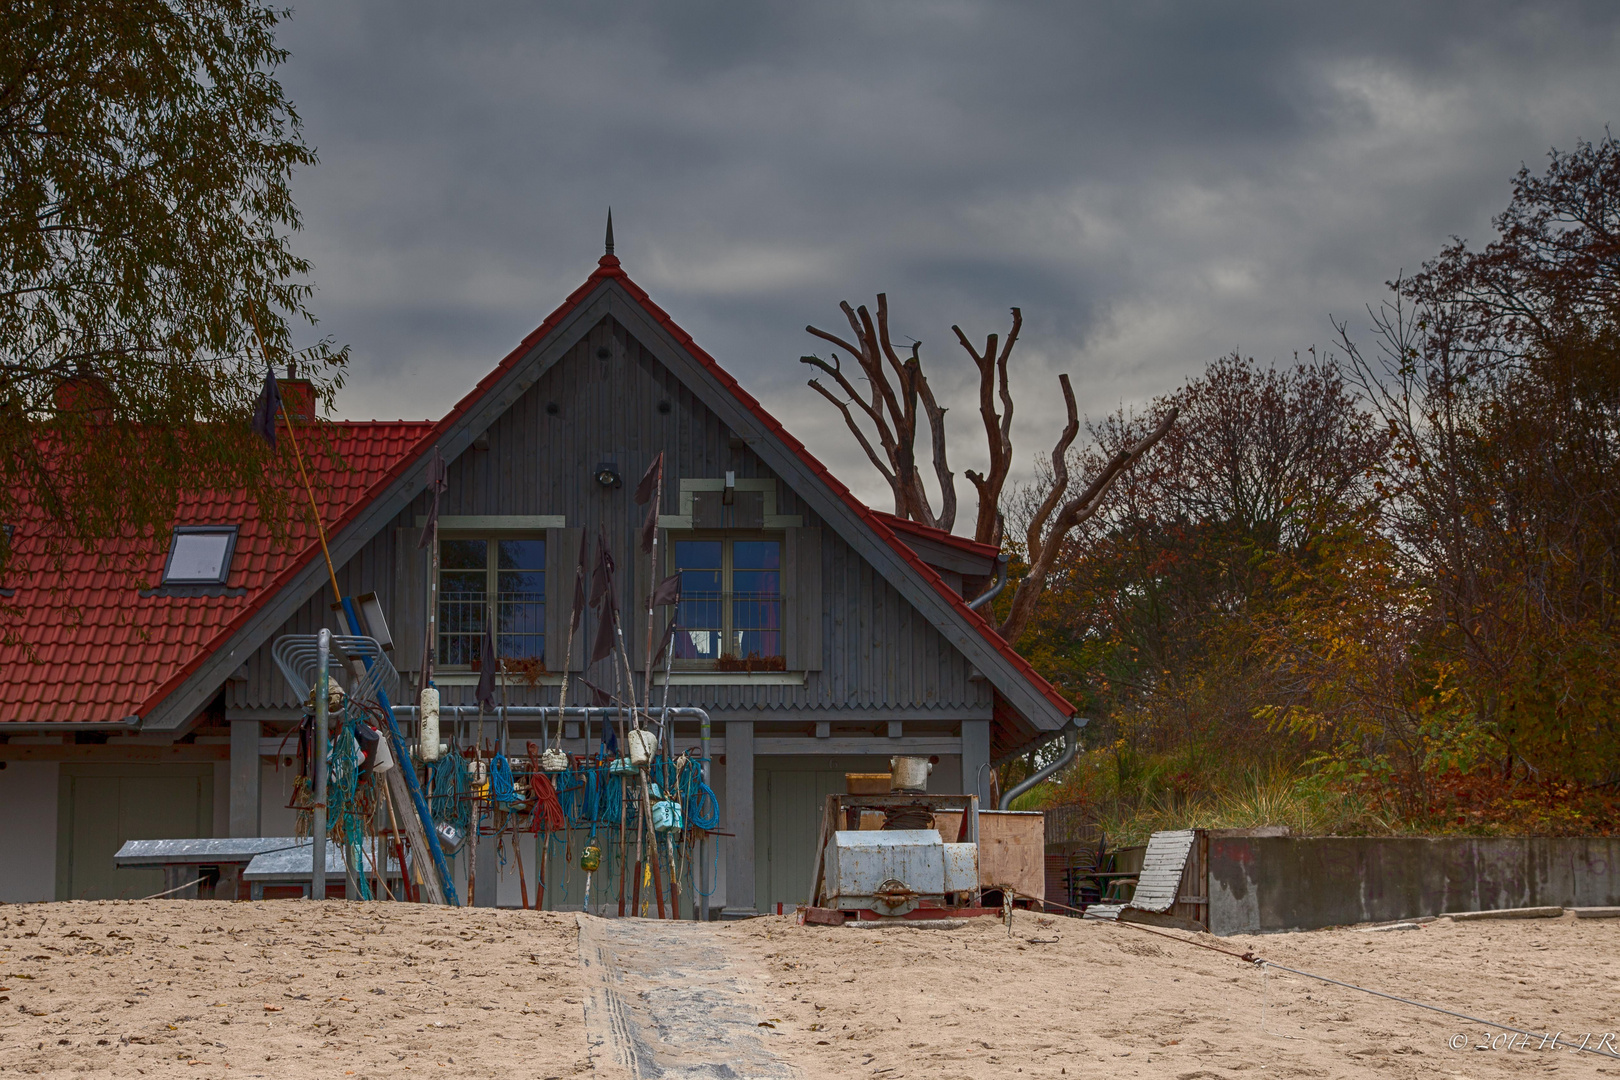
<point x="789" y="793"/>
<point x="103" y="805"/>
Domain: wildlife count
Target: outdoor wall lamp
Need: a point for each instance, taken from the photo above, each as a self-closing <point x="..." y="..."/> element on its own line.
<point x="607" y="474"/>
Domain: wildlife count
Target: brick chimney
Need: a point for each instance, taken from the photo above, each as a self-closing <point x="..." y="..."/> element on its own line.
<point x="298" y="395"/>
<point x="87" y="395"/>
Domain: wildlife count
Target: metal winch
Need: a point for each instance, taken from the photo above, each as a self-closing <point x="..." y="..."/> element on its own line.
<point x="890" y="872"/>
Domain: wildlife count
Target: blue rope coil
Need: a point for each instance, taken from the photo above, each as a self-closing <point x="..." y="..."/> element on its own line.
<point x="698" y="800"/>
<point x="343" y="796"/>
<point x="501" y="789"/>
<point x="451" y="783"/>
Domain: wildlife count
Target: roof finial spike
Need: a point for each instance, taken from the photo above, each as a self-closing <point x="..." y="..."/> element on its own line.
<point x="610" y="231"/>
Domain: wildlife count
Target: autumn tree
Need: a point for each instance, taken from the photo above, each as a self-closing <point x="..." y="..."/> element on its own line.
<point x="1159" y="600"/>
<point x="1497" y="373"/>
<point x="900" y="397"/>
<point x="146" y="155"/>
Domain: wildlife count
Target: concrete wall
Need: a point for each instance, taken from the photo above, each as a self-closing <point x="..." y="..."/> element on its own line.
<point x="28" y="801"/>
<point x="1259" y="884"/>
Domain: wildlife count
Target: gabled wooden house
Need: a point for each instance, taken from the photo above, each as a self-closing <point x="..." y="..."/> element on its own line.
<point x="820" y="635"/>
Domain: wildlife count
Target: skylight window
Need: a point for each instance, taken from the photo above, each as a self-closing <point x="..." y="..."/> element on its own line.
<point x="200" y="555"/>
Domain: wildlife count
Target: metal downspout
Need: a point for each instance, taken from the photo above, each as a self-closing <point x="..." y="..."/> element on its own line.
<point x="993" y="591"/>
<point x="1071" y="744"/>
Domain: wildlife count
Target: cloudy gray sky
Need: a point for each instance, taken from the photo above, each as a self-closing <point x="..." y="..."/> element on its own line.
<point x="1154" y="184"/>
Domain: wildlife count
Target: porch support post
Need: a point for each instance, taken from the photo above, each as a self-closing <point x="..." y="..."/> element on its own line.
<point x="976" y="761"/>
<point x="739" y="819"/>
<point x="244" y="774"/>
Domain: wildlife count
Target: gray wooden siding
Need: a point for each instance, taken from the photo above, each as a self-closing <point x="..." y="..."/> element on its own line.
<point x="878" y="653"/>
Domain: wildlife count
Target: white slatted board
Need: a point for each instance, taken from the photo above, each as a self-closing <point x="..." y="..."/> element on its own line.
<point x="1162" y="867"/>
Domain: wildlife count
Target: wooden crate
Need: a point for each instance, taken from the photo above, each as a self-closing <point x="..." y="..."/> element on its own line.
<point x="1012" y="848"/>
<point x="866" y="783"/>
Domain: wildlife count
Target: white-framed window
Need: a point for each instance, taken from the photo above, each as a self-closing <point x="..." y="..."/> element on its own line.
<point x="483" y="577"/>
<point x="200" y="555"/>
<point x="730" y="615"/>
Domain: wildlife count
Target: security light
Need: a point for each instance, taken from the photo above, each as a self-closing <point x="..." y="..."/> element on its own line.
<point x="607" y="474"/>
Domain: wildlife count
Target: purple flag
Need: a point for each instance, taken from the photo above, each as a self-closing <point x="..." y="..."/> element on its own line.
<point x="267" y="408"/>
<point x="485" y="694"/>
<point x="649" y="482"/>
<point x="645" y="492"/>
<point x="602" y="647"/>
<point x="580" y="573"/>
<point x="669" y="639"/>
<point x="436" y="474"/>
<point x="667" y="591"/>
<point x="602" y="576"/>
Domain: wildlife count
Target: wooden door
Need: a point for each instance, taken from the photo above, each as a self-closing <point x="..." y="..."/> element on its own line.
<point x="788" y="797"/>
<point x="103" y="805"/>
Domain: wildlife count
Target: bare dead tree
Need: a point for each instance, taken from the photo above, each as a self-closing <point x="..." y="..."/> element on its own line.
<point x="898" y="387"/>
<point x="991" y="524"/>
<point x="892" y="410"/>
<point x="1054" y="518"/>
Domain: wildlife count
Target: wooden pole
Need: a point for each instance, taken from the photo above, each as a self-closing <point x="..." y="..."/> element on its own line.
<point x="624" y="846"/>
<point x="658" y="502"/>
<point x="646" y="807"/>
<point x="517" y="851"/>
<point x="320" y="529"/>
<point x="542" y="848"/>
<point x="674" y="879"/>
<point x="417" y="837"/>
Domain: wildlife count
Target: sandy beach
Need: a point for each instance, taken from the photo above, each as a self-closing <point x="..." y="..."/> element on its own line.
<point x="290" y="989"/>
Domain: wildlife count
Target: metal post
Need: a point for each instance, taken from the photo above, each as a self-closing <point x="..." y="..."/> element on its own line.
<point x="323" y="653"/>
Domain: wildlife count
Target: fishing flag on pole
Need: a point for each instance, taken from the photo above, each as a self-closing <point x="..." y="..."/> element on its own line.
<point x="580" y="573"/>
<point x="602" y="647"/>
<point x="267" y="408"/>
<point x="437" y="473"/>
<point x="649" y="481"/>
<point x="667" y="591"/>
<point x="602" y="597"/>
<point x="602" y="576"/>
<point x="651" y="484"/>
<point x="485" y="694"/>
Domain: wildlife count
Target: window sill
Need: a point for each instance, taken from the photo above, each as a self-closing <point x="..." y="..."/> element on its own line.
<point x="470" y="678"/>
<point x="731" y="678"/>
<point x="679" y="678"/>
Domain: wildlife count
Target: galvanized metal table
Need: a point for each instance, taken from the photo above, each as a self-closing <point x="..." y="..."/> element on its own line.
<point x="186" y="862"/>
<point x="296" y="866"/>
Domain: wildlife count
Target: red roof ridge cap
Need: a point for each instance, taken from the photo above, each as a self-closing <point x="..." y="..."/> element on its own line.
<point x="943" y="536"/>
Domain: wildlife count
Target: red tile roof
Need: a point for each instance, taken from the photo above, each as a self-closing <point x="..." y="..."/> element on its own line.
<point x="99" y="651"/>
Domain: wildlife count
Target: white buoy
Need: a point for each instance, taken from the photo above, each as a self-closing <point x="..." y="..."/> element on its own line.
<point x="643" y="747"/>
<point x="384" y="756"/>
<point x="428" y="727"/>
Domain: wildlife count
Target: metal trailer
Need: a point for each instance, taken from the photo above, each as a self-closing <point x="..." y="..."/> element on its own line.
<point x="905" y="873"/>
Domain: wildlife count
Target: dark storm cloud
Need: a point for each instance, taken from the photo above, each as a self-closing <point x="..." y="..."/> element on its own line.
<point x="1152" y="184"/>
